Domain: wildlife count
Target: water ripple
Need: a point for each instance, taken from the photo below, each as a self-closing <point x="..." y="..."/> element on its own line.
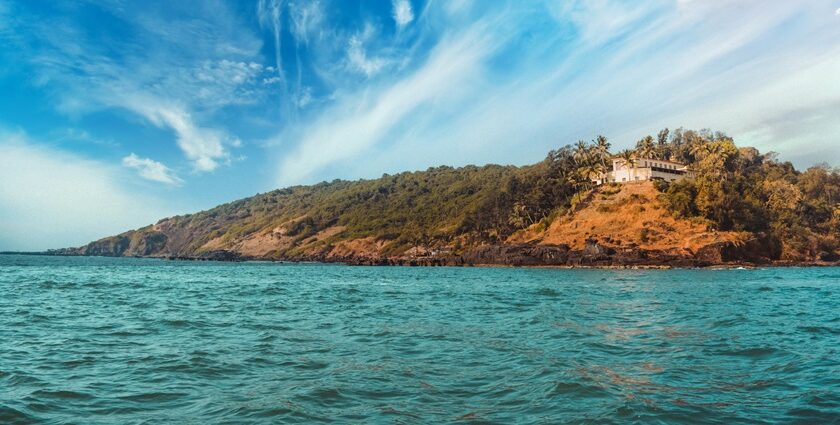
<point x="97" y="340"/>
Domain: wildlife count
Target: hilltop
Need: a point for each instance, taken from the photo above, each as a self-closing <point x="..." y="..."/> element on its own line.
<point x="743" y="207"/>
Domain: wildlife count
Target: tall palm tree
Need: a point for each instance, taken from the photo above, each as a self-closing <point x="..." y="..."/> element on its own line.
<point x="628" y="157"/>
<point x="645" y="148"/>
<point x="602" y="149"/>
<point x="591" y="172"/>
<point x="581" y="154"/>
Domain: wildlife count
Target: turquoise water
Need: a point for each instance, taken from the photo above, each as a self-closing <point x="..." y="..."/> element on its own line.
<point x="98" y="340"/>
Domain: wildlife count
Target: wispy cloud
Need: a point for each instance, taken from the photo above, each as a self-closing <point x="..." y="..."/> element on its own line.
<point x="306" y="19"/>
<point x="403" y="13"/>
<point x="359" y="60"/>
<point x="204" y="147"/>
<point x="270" y="16"/>
<point x="581" y="68"/>
<point x="175" y="76"/>
<point x="362" y="120"/>
<point x="151" y="170"/>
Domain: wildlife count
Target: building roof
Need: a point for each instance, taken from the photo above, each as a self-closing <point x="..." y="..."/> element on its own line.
<point x="653" y="159"/>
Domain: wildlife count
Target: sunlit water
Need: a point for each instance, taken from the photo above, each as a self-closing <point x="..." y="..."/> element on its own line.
<point x="95" y="340"/>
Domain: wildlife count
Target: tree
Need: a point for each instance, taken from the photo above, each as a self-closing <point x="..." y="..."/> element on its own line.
<point x="663" y="149"/>
<point x="716" y="159"/>
<point x="581" y="154"/>
<point x="591" y="172"/>
<point x="662" y="137"/>
<point x="519" y="216"/>
<point x="645" y="148"/>
<point x="680" y="198"/>
<point x="602" y="150"/>
<point x="628" y="157"/>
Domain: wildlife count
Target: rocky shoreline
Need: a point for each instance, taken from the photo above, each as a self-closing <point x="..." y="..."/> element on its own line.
<point x="594" y="255"/>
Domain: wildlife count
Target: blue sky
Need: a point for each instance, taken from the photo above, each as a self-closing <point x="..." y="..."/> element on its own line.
<point x="114" y="114"/>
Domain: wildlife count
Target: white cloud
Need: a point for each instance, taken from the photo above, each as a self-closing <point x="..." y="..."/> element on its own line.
<point x="403" y="14"/>
<point x="837" y="12"/>
<point x="270" y="15"/>
<point x="768" y="82"/>
<point x="600" y="20"/>
<point x="177" y="77"/>
<point x="361" y="120"/>
<point x="359" y="61"/>
<point x="205" y="147"/>
<point x="306" y="17"/>
<point x="151" y="170"/>
<point x="53" y="199"/>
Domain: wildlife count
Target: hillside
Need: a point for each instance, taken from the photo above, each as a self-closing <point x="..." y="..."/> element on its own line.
<point x="743" y="208"/>
<point x="630" y="215"/>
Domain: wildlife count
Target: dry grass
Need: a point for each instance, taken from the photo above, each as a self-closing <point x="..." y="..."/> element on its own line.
<point x="632" y="216"/>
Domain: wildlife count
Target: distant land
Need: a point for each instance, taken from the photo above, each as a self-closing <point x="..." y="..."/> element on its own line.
<point x="726" y="205"/>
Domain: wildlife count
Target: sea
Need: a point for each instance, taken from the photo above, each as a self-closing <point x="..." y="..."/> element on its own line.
<point x="87" y="340"/>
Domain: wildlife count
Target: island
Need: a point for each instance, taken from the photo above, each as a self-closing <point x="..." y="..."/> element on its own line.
<point x="681" y="198"/>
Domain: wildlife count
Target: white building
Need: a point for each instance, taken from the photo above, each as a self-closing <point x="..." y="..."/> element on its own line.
<point x="645" y="169"/>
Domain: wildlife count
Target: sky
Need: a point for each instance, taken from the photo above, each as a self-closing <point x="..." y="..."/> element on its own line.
<point x="117" y="113"/>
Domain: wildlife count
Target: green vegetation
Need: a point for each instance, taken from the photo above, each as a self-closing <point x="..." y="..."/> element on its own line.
<point x="743" y="190"/>
<point x="735" y="189"/>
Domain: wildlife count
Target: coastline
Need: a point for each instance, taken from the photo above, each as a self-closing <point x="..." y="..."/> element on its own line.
<point x="684" y="264"/>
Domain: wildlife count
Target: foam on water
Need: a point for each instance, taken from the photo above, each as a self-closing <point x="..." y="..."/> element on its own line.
<point x="97" y="340"/>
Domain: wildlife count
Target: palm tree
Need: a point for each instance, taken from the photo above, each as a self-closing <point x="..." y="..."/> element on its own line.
<point x="591" y="172"/>
<point x="581" y="154"/>
<point x="602" y="149"/>
<point x="628" y="156"/>
<point x="645" y="148"/>
<point x="699" y="148"/>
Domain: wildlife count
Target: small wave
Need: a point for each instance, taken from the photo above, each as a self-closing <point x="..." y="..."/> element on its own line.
<point x="70" y="364"/>
<point x="311" y="365"/>
<point x="728" y="322"/>
<point x="125" y="333"/>
<point x="156" y="397"/>
<point x="327" y="394"/>
<point x="547" y="292"/>
<point x="21" y="379"/>
<point x="753" y="352"/>
<point x="575" y="389"/>
<point x="819" y="330"/>
<point x="181" y="323"/>
<point x="62" y="394"/>
<point x="9" y="415"/>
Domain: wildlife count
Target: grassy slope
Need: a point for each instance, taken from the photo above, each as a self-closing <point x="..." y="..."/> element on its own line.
<point x="629" y="215"/>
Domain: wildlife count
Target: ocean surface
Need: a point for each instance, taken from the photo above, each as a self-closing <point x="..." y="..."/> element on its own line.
<point x="124" y="341"/>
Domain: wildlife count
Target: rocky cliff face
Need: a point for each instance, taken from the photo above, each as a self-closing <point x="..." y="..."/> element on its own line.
<point x="613" y="227"/>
